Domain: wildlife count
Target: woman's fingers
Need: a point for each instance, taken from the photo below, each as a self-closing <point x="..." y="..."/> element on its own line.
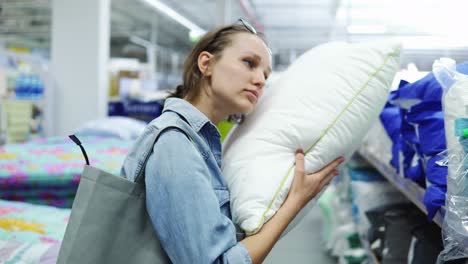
<point x="328" y="178"/>
<point x="305" y="187"/>
<point x="325" y="175"/>
<point x="299" y="162"/>
<point x="330" y="167"/>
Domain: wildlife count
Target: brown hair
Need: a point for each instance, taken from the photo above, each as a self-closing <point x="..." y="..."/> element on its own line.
<point x="213" y="42"/>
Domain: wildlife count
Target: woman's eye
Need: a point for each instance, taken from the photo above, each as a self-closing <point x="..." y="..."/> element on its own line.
<point x="249" y="63"/>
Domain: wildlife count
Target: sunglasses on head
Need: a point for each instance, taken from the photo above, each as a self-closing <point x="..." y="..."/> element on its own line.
<point x="250" y="28"/>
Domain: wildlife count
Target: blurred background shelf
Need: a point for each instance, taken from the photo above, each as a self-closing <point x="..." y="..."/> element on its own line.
<point x="409" y="188"/>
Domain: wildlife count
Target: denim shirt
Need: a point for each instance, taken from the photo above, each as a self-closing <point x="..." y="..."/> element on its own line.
<point x="186" y="195"/>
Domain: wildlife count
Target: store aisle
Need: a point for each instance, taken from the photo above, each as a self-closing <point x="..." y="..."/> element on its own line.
<point x="303" y="244"/>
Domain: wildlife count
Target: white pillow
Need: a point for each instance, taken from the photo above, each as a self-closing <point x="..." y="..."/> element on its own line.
<point x="121" y="127"/>
<point x="324" y="104"/>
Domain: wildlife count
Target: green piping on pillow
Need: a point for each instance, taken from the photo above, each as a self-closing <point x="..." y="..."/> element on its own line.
<point x="392" y="54"/>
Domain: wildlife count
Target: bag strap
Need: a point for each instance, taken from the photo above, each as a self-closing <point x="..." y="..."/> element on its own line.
<point x="78" y="142"/>
<point x="182" y="126"/>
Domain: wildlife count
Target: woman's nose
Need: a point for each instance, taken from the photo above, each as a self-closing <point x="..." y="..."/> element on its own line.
<point x="259" y="80"/>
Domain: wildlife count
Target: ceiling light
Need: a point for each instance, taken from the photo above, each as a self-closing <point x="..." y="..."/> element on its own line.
<point x="174" y="15"/>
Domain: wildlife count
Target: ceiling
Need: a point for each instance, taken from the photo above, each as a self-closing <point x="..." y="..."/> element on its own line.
<point x="290" y="26"/>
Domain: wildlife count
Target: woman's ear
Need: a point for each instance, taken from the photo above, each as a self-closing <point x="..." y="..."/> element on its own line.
<point x="204" y="63"/>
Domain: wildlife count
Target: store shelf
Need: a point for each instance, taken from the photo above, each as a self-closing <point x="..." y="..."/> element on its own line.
<point x="409" y="188"/>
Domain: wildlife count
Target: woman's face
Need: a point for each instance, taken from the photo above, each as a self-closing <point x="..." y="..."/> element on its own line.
<point x="238" y="76"/>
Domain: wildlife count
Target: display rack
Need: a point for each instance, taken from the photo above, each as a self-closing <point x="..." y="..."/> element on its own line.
<point x="409" y="188"/>
<point x="38" y="66"/>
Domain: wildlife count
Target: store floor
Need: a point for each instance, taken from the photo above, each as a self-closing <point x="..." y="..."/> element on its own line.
<point x="303" y="244"/>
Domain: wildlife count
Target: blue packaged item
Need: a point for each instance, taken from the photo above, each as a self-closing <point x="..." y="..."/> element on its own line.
<point x="423" y="110"/>
<point x="416" y="173"/>
<point x="427" y="114"/>
<point x="145" y="111"/>
<point x="435" y="173"/>
<point x="429" y="122"/>
<point x="404" y="139"/>
<point x="434" y="198"/>
<point x="422" y="126"/>
<point x="411" y="144"/>
<point x="407" y="130"/>
<point x="391" y="121"/>
<point x="116" y="109"/>
<point x="20" y="86"/>
<point x="29" y="87"/>
<point x="423" y="90"/>
<point x="411" y="150"/>
<point x="37" y="88"/>
<point x="432" y="136"/>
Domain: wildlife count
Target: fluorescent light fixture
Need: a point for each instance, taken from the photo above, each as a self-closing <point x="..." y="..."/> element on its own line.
<point x="194" y="36"/>
<point x="174" y="15"/>
<point x="366" y="29"/>
<point x="141" y="42"/>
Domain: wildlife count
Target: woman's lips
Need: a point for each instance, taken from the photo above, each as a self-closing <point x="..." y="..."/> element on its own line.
<point x="253" y="94"/>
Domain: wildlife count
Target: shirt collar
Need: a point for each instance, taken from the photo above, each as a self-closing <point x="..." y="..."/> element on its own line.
<point x="190" y="113"/>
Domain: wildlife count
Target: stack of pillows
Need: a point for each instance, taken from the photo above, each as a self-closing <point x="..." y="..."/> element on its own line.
<point x="125" y="128"/>
<point x="324" y="104"/>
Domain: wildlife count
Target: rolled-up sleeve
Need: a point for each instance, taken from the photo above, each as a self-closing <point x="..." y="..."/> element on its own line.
<point x="184" y="208"/>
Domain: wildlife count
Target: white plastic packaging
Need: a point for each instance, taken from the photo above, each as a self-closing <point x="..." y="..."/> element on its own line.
<point x="455" y="107"/>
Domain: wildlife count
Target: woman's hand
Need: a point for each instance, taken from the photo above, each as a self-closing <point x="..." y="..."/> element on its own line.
<point x="303" y="189"/>
<point x="307" y="186"/>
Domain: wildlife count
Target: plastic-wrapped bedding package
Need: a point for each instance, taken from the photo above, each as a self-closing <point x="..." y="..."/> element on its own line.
<point x="324" y="103"/>
<point x="338" y="220"/>
<point x="370" y="190"/>
<point x="340" y="233"/>
<point x="455" y="108"/>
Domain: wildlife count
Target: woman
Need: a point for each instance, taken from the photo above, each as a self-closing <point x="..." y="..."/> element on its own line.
<point x="187" y="198"/>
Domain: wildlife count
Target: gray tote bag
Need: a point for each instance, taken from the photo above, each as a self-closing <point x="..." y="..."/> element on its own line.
<point x="109" y="222"/>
